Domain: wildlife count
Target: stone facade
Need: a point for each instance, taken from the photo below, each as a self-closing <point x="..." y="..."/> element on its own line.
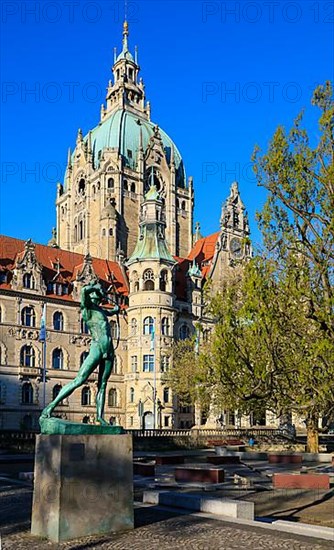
<point x="124" y="217"/>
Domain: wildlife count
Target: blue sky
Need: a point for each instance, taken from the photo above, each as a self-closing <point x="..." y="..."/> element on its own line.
<point x="221" y="76"/>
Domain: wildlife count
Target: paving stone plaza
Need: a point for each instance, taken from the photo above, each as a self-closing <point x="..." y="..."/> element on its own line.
<point x="163" y="527"/>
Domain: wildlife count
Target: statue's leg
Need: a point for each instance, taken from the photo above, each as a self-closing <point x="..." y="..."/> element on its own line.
<point x="86" y="369"/>
<point x="106" y="369"/>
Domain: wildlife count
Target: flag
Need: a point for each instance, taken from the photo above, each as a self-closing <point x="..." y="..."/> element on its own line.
<point x="42" y="331"/>
<point x="152" y="337"/>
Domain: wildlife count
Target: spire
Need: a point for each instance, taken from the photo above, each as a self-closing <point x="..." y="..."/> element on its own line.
<point x="125" y="36"/>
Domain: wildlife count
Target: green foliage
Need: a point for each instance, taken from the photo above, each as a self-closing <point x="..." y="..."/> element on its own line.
<point x="273" y="341"/>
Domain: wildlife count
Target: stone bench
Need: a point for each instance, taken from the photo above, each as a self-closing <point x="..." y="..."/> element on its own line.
<point x="212" y="505"/>
<point x="169" y="459"/>
<point x="301" y="481"/>
<point x="202" y="474"/>
<point x="223" y="459"/>
<point x="144" y="469"/>
<point x="284" y="458"/>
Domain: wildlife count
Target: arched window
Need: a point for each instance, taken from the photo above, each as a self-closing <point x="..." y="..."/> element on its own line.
<point x="75" y="233"/>
<point x="112" y="398"/>
<point x="27" y="356"/>
<point x="133" y="187"/>
<point x="82" y="186"/>
<point x="57" y="359"/>
<point x="58" y="320"/>
<point x="148" y="325"/>
<point x="27" y="394"/>
<point x="28" y="317"/>
<point x="85" y="396"/>
<point x="166" y="395"/>
<point x="81" y="230"/>
<point x="114" y="329"/>
<point x="148" y="277"/>
<point x="83" y="327"/>
<point x="134" y="326"/>
<point x="83" y="357"/>
<point x="163" y="280"/>
<point x="111" y="183"/>
<point x="55" y="390"/>
<point x="125" y="185"/>
<point x="132" y="395"/>
<point x="183" y="205"/>
<point x="28" y="281"/>
<point x="165" y="326"/>
<point x="111" y="232"/>
<point x="184" y="332"/>
<point x="85" y="420"/>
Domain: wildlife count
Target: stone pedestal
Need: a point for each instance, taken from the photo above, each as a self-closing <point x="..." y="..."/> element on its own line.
<point x="83" y="486"/>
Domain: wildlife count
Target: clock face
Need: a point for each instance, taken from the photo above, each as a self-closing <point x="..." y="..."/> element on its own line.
<point x="236" y="247"/>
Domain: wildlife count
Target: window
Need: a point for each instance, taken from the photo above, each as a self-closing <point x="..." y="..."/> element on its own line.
<point x="125" y="185"/>
<point x="134" y="325"/>
<point x="166" y="395"/>
<point x="27" y="394"/>
<point x="133" y="187"/>
<point x="83" y="357"/>
<point x="112" y="420"/>
<point x="28" y="281"/>
<point x="28" y="317"/>
<point x="57" y="359"/>
<point x="114" y="329"/>
<point x="55" y="391"/>
<point x="163" y="280"/>
<point x="85" y="420"/>
<point x="3" y="277"/>
<point x="27" y="422"/>
<point x="83" y="327"/>
<point x="112" y="398"/>
<point x="129" y="150"/>
<point x="134" y="363"/>
<point x="164" y="363"/>
<point x="85" y="396"/>
<point x="110" y="232"/>
<point x="165" y="326"/>
<point x="183" y="205"/>
<point x="131" y="420"/>
<point x="166" y="421"/>
<point x="1" y="316"/>
<point x="148" y="277"/>
<point x="184" y="332"/>
<point x="82" y="186"/>
<point x="111" y="183"/>
<point x="58" y="320"/>
<point x="148" y="363"/>
<point x="27" y="356"/>
<point x="81" y="230"/>
<point x="131" y="74"/>
<point x="148" y="326"/>
<point x="132" y="395"/>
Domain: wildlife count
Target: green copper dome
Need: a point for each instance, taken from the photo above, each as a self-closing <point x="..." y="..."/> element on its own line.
<point x="121" y="130"/>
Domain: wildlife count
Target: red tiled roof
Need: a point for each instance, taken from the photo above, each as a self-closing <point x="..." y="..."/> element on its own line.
<point x="204" y="249"/>
<point x="70" y="263"/>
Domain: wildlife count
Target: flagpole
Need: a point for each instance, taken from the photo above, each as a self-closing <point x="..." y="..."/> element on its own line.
<point x="154" y="382"/>
<point x="44" y="373"/>
<point x="42" y="338"/>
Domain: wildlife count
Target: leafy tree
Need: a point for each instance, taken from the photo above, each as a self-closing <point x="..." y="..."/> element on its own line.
<point x="273" y="344"/>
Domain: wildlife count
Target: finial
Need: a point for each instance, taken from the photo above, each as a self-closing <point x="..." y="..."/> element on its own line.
<point x="115" y="55"/>
<point x="172" y="160"/>
<point x="79" y="136"/>
<point x="136" y="55"/>
<point x="197" y="235"/>
<point x="125" y="36"/>
<point x="69" y="160"/>
<point x="152" y="177"/>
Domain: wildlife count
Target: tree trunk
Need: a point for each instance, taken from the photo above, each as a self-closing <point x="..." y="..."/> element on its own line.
<point x="312" y="434"/>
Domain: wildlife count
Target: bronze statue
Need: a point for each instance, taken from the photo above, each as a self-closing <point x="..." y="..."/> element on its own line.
<point x="101" y="352"/>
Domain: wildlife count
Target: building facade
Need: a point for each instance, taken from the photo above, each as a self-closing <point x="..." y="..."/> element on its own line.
<point x="125" y="218"/>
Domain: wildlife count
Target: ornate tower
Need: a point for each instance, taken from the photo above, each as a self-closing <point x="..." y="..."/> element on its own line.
<point x="151" y="313"/>
<point x="110" y="170"/>
<point x="233" y="244"/>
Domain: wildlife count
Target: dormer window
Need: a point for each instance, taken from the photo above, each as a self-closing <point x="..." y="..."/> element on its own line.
<point x="28" y="281"/>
